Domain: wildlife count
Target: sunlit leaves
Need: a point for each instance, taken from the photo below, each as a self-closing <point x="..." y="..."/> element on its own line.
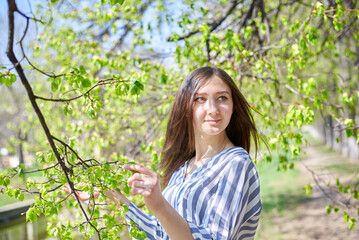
<point x="31" y="215"/>
<point x="292" y="66"/>
<point x="20" y="170"/>
<point x="328" y="209"/>
<point x="308" y="189"/>
<point x="136" y="88"/>
<point x="137" y="234"/>
<point x="247" y="32"/>
<point x="313" y="36"/>
<point x="7" y="78"/>
<point x="318" y="10"/>
<point x="114" y="2"/>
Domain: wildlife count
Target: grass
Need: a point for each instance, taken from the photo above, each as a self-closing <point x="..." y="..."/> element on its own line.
<point x="280" y="191"/>
<point x="15" y="183"/>
<point x="5" y="199"/>
<point x="343" y="167"/>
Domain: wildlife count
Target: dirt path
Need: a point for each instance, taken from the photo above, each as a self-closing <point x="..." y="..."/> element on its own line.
<point x="309" y="219"/>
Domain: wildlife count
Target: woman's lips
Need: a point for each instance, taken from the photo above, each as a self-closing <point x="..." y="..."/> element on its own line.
<point x="212" y="121"/>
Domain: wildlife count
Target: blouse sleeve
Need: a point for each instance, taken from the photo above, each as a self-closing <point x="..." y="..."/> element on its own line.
<point x="235" y="209"/>
<point x="145" y="222"/>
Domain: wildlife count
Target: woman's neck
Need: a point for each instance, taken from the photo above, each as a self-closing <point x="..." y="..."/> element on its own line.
<point x="208" y="146"/>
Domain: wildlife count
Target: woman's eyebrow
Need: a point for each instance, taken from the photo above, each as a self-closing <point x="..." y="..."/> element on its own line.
<point x="220" y="92"/>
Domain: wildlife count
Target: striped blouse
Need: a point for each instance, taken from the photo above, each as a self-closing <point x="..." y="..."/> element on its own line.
<point x="219" y="200"/>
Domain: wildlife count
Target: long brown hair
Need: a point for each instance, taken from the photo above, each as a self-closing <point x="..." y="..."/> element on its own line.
<point x="179" y="145"/>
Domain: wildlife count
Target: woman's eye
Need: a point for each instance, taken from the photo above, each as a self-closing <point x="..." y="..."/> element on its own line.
<point x="199" y="99"/>
<point x="222" y="98"/>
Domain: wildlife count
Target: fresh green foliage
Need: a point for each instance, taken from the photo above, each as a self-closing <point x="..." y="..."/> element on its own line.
<point x="105" y="86"/>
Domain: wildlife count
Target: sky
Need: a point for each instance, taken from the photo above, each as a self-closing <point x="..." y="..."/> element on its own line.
<point x="20" y="22"/>
<point x="158" y="41"/>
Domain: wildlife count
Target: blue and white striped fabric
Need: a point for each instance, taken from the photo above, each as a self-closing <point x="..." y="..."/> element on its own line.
<point x="219" y="200"/>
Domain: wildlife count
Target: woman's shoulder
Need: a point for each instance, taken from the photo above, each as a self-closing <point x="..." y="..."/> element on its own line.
<point x="234" y="157"/>
<point x="236" y="153"/>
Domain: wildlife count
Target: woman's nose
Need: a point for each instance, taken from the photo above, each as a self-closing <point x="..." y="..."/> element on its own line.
<point x="212" y="106"/>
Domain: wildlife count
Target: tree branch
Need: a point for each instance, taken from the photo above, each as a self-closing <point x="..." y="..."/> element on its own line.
<point x="11" y="55"/>
<point x="99" y="83"/>
<point x="214" y="24"/>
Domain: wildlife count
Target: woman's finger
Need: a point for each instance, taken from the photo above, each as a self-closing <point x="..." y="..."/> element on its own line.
<point x="141" y="184"/>
<point x="140" y="191"/>
<point x="83" y="196"/>
<point x="67" y="188"/>
<point x="138" y="168"/>
<point x="137" y="177"/>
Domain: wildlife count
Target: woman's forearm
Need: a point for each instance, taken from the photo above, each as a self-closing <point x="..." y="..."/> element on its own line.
<point x="173" y="223"/>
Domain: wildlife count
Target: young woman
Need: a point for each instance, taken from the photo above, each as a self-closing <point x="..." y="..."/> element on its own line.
<point x="211" y="185"/>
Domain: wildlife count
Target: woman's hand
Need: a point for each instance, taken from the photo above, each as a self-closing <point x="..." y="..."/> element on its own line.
<point x="146" y="183"/>
<point x="82" y="195"/>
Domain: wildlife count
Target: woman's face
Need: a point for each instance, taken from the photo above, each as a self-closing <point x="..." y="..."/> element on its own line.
<point x="212" y="109"/>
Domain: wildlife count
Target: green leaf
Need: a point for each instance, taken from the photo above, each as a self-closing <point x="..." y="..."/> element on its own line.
<point x="139" y="85"/>
<point x="6" y="181"/>
<point x="142" y="235"/>
<point x="91" y="112"/>
<point x="349" y="122"/>
<point x="308" y="190"/>
<point x="72" y="141"/>
<point x="50" y="157"/>
<point x="17" y="193"/>
<point x="349" y="133"/>
<point x="9" y="191"/>
<point x="356" y="194"/>
<point x="121" y="89"/>
<point x="43" y="190"/>
<point x="174" y="37"/>
<point x="114" y="2"/>
<point x="337" y="25"/>
<point x="324" y="96"/>
<point x="82" y="228"/>
<point x="352" y="223"/>
<point x="346" y="216"/>
<point x="336" y="209"/>
<point x="85" y="82"/>
<point x="40" y="157"/>
<point x="320" y="9"/>
<point x="328" y="209"/>
<point x="82" y="70"/>
<point x="136" y="88"/>
<point x="20" y="170"/>
<point x="135" y="232"/>
<point x="9" y="79"/>
<point x="247" y="32"/>
<point x="126" y="189"/>
<point x="312" y="36"/>
<point x="21" y="197"/>
<point x="31" y="215"/>
<point x="54" y="86"/>
<point x="67" y="110"/>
